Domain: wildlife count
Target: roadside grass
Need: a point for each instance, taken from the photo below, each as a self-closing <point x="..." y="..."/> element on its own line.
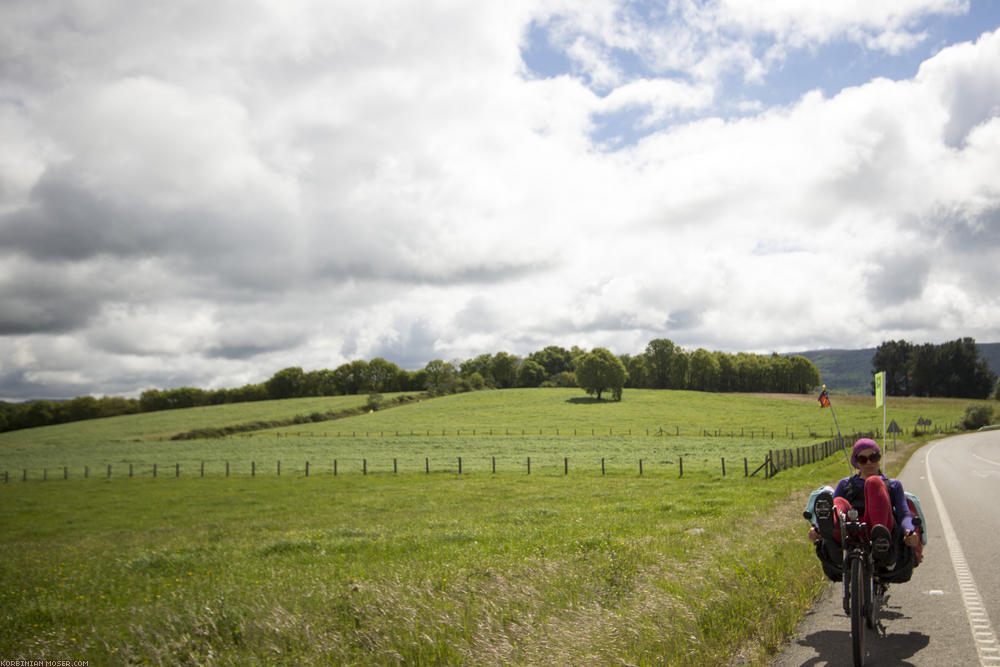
<point x="439" y="569"/>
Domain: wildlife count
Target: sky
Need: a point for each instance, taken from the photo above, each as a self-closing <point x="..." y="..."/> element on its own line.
<point x="203" y="193"/>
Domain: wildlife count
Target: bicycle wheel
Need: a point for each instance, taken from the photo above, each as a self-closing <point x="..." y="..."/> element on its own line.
<point x="858" y="620"/>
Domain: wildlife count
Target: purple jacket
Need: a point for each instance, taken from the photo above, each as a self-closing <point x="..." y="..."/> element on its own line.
<point x="853" y="488"/>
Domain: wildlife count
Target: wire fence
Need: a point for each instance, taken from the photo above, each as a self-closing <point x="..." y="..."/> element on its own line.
<point x="774" y="461"/>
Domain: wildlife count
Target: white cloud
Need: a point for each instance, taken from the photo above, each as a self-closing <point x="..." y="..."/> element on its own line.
<point x="203" y="194"/>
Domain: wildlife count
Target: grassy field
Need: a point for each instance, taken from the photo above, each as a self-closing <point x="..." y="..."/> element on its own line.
<point x="414" y="568"/>
<point x="548" y="425"/>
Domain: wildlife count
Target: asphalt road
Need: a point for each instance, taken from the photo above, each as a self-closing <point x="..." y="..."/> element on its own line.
<point x="949" y="612"/>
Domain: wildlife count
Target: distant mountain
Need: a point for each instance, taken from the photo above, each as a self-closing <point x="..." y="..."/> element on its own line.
<point x="850" y="371"/>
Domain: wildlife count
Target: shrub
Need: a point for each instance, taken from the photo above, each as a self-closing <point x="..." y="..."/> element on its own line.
<point x="977" y="416"/>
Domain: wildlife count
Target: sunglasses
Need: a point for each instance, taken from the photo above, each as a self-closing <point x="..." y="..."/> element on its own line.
<point x="874" y="457"/>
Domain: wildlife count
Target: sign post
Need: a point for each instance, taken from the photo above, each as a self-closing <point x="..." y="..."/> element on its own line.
<point x="880" y="399"/>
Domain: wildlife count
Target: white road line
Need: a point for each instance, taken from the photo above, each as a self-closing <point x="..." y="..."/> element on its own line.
<point x="982" y="632"/>
<point x="981" y="458"/>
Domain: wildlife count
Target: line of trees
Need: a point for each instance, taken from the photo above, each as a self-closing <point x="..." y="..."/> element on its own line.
<point x="952" y="369"/>
<point x="662" y="365"/>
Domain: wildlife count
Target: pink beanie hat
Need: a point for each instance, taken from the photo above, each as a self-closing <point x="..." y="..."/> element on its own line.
<point x="861" y="445"/>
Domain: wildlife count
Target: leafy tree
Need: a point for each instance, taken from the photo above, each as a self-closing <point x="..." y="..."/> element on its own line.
<point x="530" y="374"/>
<point x="952" y="369"/>
<point x="352" y="377"/>
<point x="728" y="371"/>
<point x="777" y="372"/>
<point x="750" y="373"/>
<point x="504" y="370"/>
<point x="322" y="382"/>
<point x="81" y="407"/>
<point x="185" y="397"/>
<point x="893" y="357"/>
<point x="40" y="413"/>
<point x="659" y="363"/>
<point x="962" y="373"/>
<point x="553" y="359"/>
<point x="600" y="371"/>
<point x="383" y="376"/>
<point x="483" y="365"/>
<point x="564" y="379"/>
<point x="804" y="375"/>
<point x="704" y="371"/>
<point x="636" y="368"/>
<point x="441" y="377"/>
<point x="473" y="381"/>
<point x="286" y="383"/>
<point x="248" y="393"/>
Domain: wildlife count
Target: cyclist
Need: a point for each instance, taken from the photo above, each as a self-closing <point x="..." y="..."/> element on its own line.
<point x="880" y="503"/>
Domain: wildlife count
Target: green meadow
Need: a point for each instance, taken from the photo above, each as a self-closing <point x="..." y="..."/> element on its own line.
<point x="416" y="568"/>
<point x="548" y="425"/>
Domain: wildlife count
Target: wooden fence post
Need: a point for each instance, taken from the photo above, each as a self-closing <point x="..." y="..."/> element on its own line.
<point x="307" y="468"/>
<point x="566" y="465"/>
<point x="602" y="465"/>
<point x="279" y="467"/>
<point x="154" y="471"/>
<point x="459" y="465"/>
<point x="335" y="467"/>
<point x="723" y="466"/>
<point x="395" y="468"/>
<point x="494" y="465"/>
<point x="202" y="468"/>
<point x="253" y="468"/>
<point x="364" y="466"/>
<point x="177" y="469"/>
<point x="640" y="467"/>
<point x="529" y="465"/>
<point x="227" y="468"/>
<point x="427" y="466"/>
<point x="680" y="464"/>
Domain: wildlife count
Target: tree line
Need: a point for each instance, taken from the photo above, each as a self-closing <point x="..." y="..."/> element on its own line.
<point x="953" y="369"/>
<point x="662" y="365"/>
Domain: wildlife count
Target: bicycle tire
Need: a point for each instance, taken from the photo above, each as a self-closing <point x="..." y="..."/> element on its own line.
<point x="858" y="620"/>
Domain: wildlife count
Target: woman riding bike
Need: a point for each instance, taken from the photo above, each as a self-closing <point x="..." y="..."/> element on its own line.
<point x="880" y="503"/>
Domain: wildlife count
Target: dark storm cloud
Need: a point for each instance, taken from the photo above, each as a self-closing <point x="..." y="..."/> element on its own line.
<point x="898" y="278"/>
<point x="242" y="345"/>
<point x="683" y="319"/>
<point x="42" y="298"/>
<point x="65" y="222"/>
